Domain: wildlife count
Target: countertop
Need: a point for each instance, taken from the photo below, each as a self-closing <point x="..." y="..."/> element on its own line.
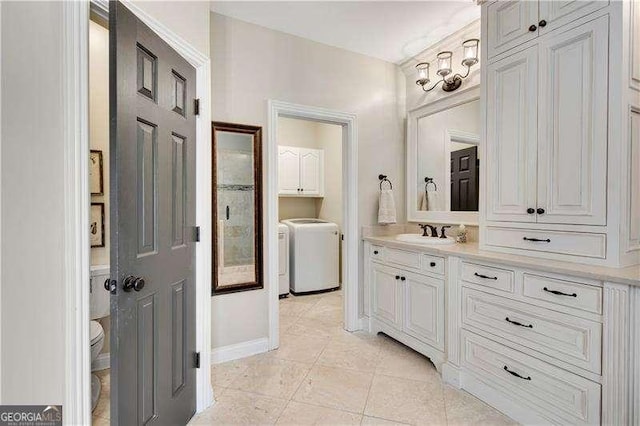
<point x="629" y="275"/>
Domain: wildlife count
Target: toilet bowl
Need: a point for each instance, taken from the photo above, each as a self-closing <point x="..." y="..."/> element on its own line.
<point x="96" y="333"/>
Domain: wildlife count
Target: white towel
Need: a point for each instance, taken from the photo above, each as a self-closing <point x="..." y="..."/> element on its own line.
<point x="433" y="202"/>
<point x="387" y="207"/>
<point x="423" y="202"/>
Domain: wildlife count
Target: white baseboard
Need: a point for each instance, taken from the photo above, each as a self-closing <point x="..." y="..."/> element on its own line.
<point x="239" y="350"/>
<point x="102" y="362"/>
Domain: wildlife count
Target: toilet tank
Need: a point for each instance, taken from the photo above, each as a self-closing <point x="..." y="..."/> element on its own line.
<point x="99" y="298"/>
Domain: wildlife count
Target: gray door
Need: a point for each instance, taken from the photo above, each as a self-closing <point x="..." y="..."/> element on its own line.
<point x="152" y="89"/>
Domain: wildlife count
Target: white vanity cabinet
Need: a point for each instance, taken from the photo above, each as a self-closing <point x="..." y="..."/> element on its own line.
<point x="407" y="298"/>
<point x="300" y="172"/>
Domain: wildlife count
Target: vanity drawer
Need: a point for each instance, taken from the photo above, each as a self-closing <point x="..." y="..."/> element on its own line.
<point x="571" y="243"/>
<point x="402" y="257"/>
<point x="433" y="264"/>
<point x="376" y="253"/>
<point x="554" y="393"/>
<point x="567" y="338"/>
<point x="488" y="276"/>
<point x="565" y="293"/>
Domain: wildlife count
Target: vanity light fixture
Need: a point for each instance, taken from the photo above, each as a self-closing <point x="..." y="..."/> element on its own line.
<point x="470" y="58"/>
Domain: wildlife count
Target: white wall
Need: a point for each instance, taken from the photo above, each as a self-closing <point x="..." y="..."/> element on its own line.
<point x="32" y="169"/>
<point x="252" y="64"/>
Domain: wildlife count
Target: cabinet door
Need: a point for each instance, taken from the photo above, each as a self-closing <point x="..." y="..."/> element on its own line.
<point x="387" y="295"/>
<point x="572" y="126"/>
<point x="511" y="137"/>
<point x="311" y="172"/>
<point x="288" y="170"/>
<point x="424" y="309"/>
<point x="509" y="24"/>
<point x="560" y="12"/>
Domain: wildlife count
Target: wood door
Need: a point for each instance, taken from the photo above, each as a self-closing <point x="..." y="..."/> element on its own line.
<point x="510" y="24"/>
<point x="464" y="180"/>
<point x="572" y="128"/>
<point x="311" y="171"/>
<point x="511" y="137"/>
<point x="424" y="309"/>
<point x="153" y="146"/>
<point x="288" y="170"/>
<point x="387" y="295"/>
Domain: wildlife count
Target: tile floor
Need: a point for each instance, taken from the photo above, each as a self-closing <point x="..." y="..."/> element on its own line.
<point x="324" y="375"/>
<point x="100" y="415"/>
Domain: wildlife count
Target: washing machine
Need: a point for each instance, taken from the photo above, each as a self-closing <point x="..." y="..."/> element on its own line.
<point x="283" y="259"/>
<point x="314" y="250"/>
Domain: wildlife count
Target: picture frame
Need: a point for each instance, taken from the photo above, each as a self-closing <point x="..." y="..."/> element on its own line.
<point x="96" y="176"/>
<point x="96" y="225"/>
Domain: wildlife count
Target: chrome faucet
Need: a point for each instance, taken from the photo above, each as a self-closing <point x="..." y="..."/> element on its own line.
<point x="425" y="227"/>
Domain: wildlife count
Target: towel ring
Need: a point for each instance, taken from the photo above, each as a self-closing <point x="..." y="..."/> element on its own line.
<point x="383" y="179"/>
<point x="429" y="180"/>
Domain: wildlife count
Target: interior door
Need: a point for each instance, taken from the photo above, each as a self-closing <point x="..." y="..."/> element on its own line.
<point x="464" y="180"/>
<point x="572" y="127"/>
<point x="511" y="23"/>
<point x="310" y="170"/>
<point x="512" y="90"/>
<point x="288" y="170"/>
<point x="153" y="211"/>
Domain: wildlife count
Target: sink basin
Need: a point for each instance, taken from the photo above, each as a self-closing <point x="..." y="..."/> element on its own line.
<point x="428" y="241"/>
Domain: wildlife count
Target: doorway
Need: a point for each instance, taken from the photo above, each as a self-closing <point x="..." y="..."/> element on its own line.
<point x="349" y="217"/>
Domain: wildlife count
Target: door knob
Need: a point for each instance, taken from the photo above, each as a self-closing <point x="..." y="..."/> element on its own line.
<point x="532" y="28"/>
<point x="542" y="23"/>
<point x="133" y="283"/>
<point x="110" y="285"/>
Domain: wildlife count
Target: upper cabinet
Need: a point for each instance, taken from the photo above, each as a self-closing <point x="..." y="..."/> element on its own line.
<point x="547" y="129"/>
<point x="515" y="22"/>
<point x="300" y="172"/>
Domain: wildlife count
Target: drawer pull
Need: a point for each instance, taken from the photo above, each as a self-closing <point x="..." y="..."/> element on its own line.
<point x="486" y="277"/>
<point x="559" y="293"/>
<point x="432" y="264"/>
<point x="518" y="323"/>
<point x="536" y="240"/>
<point x="513" y="373"/>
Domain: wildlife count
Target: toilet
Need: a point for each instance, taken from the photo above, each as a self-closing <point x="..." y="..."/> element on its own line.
<point x="99" y="308"/>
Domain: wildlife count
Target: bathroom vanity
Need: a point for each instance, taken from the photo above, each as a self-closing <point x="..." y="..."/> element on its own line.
<point x="542" y="341"/>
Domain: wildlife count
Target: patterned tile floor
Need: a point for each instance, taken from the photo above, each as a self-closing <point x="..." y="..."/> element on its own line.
<point x="324" y="375"/>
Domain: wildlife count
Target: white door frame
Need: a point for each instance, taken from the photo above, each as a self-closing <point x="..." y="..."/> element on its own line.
<point x="350" y="271"/>
<point x="77" y="395"/>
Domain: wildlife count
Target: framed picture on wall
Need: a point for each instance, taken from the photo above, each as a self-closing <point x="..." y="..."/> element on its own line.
<point x="96" y="182"/>
<point x="96" y="220"/>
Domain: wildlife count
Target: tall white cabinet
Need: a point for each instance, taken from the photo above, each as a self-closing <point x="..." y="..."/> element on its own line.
<point x="300" y="172"/>
<point x="558" y="94"/>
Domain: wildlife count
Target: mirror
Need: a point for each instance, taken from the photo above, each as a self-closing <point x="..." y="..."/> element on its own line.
<point x="444" y="158"/>
<point x="237" y="207"/>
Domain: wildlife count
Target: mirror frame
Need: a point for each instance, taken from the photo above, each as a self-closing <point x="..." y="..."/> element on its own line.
<point x="256" y="132"/>
<point x="433" y="217"/>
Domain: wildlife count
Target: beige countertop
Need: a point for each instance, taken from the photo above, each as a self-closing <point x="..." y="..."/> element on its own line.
<point x="629" y="275"/>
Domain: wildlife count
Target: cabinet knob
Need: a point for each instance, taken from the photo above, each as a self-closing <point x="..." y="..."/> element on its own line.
<point x="402" y="278"/>
<point x="540" y="211"/>
<point x="432" y="264"/>
<point x="531" y="210"/>
<point x="542" y="23"/>
<point x="397" y="277"/>
<point x="375" y="252"/>
<point x="532" y="28"/>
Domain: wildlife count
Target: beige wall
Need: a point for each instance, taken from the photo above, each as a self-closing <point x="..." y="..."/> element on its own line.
<point x="252" y="64"/>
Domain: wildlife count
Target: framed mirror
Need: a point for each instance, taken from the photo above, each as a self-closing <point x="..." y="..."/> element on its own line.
<point x="237" y="207"/>
<point x="444" y="160"/>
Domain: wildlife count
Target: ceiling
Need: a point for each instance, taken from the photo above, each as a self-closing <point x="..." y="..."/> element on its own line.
<point x="390" y="30"/>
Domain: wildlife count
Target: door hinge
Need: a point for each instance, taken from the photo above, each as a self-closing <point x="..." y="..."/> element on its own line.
<point x="342" y="237"/>
<point x="196" y="106"/>
<point x="196" y="359"/>
<point x="196" y="234"/>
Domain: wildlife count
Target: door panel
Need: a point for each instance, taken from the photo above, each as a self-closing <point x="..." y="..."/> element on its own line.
<point x="387" y="295"/>
<point x="572" y="143"/>
<point x="153" y="213"/>
<point x="310" y="170"/>
<point x="424" y="309"/>
<point x="512" y="137"/>
<point x="557" y="13"/>
<point x="508" y="24"/>
<point x="288" y="170"/>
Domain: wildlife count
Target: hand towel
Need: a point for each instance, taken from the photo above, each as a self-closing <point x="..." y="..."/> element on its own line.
<point x="387" y="207"/>
<point x="423" y="202"/>
<point x="433" y="201"/>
